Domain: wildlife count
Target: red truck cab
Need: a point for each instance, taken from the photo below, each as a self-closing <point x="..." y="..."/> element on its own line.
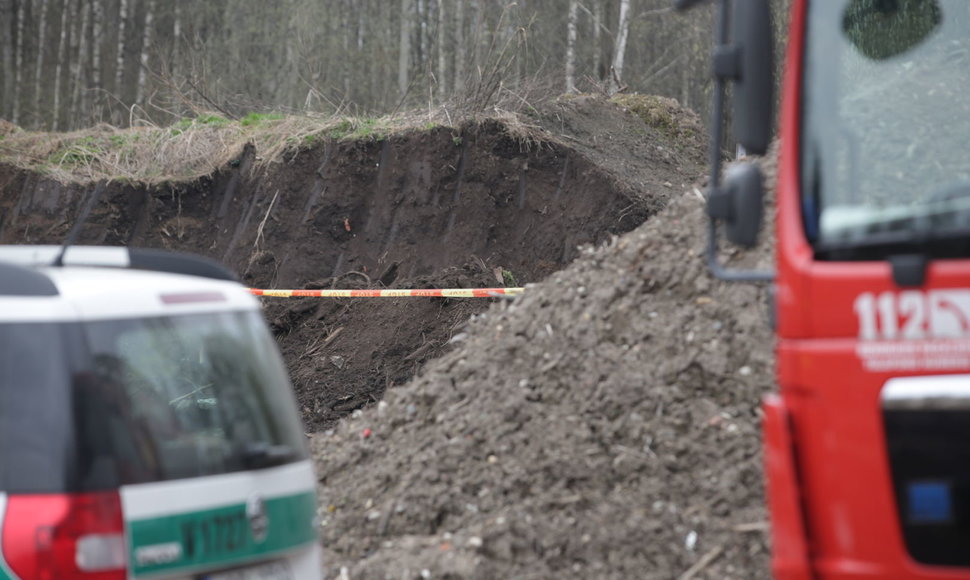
<point x="867" y="441"/>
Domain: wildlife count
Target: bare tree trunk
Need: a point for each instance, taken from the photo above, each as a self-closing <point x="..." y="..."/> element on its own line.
<point x="18" y="63"/>
<point x="75" y="117"/>
<point x="176" y="27"/>
<point x="442" y="55"/>
<point x="478" y="37"/>
<point x="84" y="104"/>
<point x="290" y="68"/>
<point x="97" y="16"/>
<point x="374" y="76"/>
<point x="598" y="39"/>
<point x="422" y="34"/>
<point x="459" y="46"/>
<point x="70" y="62"/>
<point x="120" y="57"/>
<point x="6" y="55"/>
<point x="571" y="46"/>
<point x="146" y="45"/>
<point x="61" y="58"/>
<point x="346" y="31"/>
<point x="178" y="31"/>
<point x="41" y="45"/>
<point x="404" y="56"/>
<point x="619" y="50"/>
<point x="517" y="24"/>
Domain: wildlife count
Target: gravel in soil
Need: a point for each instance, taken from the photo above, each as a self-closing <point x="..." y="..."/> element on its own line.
<point x="603" y="425"/>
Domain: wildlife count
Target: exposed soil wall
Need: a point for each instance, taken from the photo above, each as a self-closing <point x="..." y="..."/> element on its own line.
<point x="423" y="200"/>
<point x="436" y="207"/>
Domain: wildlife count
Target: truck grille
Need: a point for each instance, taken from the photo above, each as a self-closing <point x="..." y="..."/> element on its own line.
<point x="927" y="422"/>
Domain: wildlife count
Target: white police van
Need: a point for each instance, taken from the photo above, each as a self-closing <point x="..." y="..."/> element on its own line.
<point x="147" y="425"/>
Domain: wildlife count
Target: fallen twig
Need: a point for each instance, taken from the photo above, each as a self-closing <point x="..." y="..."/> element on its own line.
<point x="704" y="562"/>
<point x="751" y="527"/>
<point x="262" y="224"/>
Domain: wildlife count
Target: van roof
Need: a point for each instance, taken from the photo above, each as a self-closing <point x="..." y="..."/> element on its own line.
<point x="117" y="257"/>
<point x="112" y="282"/>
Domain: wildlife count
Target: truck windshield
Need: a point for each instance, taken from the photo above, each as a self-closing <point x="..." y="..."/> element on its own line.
<point x="886" y="128"/>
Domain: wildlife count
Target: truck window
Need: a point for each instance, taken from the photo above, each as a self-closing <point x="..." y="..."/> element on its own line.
<point x="884" y="167"/>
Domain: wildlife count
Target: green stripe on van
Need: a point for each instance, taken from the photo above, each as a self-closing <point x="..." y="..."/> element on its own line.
<point x="5" y="572"/>
<point x="222" y="536"/>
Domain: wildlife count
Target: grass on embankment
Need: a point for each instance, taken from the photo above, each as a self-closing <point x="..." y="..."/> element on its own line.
<point x="198" y="146"/>
<point x="184" y="150"/>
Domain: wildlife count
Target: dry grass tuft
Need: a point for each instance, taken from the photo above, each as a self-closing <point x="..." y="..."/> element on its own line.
<point x="145" y="154"/>
<point x="664" y="114"/>
<point x="7" y="128"/>
<point x="199" y="146"/>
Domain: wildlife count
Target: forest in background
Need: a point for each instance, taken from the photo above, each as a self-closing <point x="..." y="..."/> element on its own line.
<point x="69" y="64"/>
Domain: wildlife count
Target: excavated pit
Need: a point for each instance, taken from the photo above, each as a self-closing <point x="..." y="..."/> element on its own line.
<point x="484" y="204"/>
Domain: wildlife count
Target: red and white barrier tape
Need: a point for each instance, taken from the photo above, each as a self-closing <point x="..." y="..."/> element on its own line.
<point x="392" y="293"/>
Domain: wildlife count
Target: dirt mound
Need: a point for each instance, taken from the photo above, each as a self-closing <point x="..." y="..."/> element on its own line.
<point x="643" y="140"/>
<point x="603" y="425"/>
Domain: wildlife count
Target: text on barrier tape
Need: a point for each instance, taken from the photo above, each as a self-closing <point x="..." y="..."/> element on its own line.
<point x="393" y="293"/>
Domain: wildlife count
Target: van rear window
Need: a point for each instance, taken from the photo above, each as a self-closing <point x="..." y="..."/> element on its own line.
<point x="95" y="405"/>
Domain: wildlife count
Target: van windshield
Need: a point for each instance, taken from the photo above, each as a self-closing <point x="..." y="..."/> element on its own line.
<point x="96" y="405"/>
<point x="885" y="121"/>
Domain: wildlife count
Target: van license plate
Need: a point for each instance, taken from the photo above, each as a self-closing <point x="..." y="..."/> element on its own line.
<point x="271" y="571"/>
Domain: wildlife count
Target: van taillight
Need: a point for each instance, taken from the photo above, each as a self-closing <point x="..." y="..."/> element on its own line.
<point x="65" y="537"/>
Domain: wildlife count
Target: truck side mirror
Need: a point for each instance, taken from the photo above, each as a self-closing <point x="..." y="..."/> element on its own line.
<point x="738" y="202"/>
<point x="742" y="55"/>
<point x="753" y="74"/>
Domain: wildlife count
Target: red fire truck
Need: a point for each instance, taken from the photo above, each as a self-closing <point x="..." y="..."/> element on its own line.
<point x="867" y="441"/>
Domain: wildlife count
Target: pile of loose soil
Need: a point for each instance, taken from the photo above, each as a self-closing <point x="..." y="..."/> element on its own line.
<point x="603" y="425"/>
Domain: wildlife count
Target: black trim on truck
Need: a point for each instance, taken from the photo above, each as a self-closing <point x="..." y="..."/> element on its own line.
<point x="178" y="263"/>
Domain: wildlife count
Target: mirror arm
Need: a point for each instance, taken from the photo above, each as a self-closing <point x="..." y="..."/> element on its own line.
<point x="730" y="274"/>
<point x="685" y="4"/>
<point x="714" y="152"/>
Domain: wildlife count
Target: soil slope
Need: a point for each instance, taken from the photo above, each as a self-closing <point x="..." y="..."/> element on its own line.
<point x="603" y="425"/>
